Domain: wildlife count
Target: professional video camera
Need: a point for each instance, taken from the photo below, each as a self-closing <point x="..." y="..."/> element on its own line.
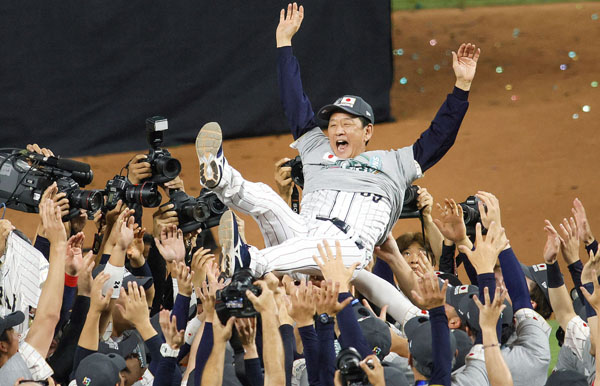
<point x="409" y="208"/>
<point x="25" y="175"/>
<point x="119" y="188"/>
<point x="471" y="215"/>
<point x="348" y="362"/>
<point x="193" y="213"/>
<point x="232" y="300"/>
<point x="164" y="167"/>
<point x="297" y="173"/>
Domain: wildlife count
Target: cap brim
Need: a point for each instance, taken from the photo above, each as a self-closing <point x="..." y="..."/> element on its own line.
<point x="12" y="320"/>
<point x="327" y="110"/>
<point x="413" y="324"/>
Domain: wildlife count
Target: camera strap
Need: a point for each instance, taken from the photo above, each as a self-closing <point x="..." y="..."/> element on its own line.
<point x="295" y="199"/>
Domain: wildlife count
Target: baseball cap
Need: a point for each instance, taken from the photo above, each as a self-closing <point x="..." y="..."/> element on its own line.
<point x="418" y="332"/>
<point x="393" y="375"/>
<point x="455" y="294"/>
<point x="463" y="345"/>
<point x="350" y="104"/>
<point x="132" y="343"/>
<point x="142" y="281"/>
<point x="453" y="280"/>
<point x="100" y="370"/>
<point x="469" y="313"/>
<point x="566" y="377"/>
<point x="11" y="320"/>
<point x="539" y="274"/>
<point x="376" y="331"/>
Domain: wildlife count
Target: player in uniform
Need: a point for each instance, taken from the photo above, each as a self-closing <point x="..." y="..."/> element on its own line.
<point x="351" y="196"/>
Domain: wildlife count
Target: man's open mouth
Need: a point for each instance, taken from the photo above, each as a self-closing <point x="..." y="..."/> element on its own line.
<point x="341" y="145"/>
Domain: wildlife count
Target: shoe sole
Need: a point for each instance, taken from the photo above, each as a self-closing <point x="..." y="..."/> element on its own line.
<point x="209" y="141"/>
<point x="226" y="234"/>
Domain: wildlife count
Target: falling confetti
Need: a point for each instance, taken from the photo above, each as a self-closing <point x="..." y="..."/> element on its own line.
<point x="508" y="87"/>
<point x="499" y="70"/>
<point x="594" y="16"/>
<point x="514" y="98"/>
<point x="572" y="54"/>
<point x="586" y="109"/>
<point x="432" y="42"/>
<point x="399" y="52"/>
<point x="415" y="56"/>
<point x="422" y="89"/>
<point x="563" y="67"/>
<point x="516" y="32"/>
<point x="555" y="87"/>
<point x="436" y="67"/>
<point x="594" y="84"/>
<point x="403" y="80"/>
<point x="575" y="116"/>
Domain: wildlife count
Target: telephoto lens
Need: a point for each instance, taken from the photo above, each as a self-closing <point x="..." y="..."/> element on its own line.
<point x="90" y="200"/>
<point x="166" y="166"/>
<point x="146" y="194"/>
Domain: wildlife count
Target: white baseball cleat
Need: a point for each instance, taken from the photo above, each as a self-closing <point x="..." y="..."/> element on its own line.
<point x="209" y="150"/>
<point x="232" y="246"/>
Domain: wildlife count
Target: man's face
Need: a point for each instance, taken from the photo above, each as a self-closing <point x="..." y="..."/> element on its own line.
<point x="11" y="345"/>
<point x="411" y="255"/>
<point x="347" y="136"/>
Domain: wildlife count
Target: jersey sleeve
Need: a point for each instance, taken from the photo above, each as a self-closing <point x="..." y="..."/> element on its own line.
<point x="296" y="105"/>
<point x="310" y="141"/>
<point x="435" y="142"/>
<point x="408" y="168"/>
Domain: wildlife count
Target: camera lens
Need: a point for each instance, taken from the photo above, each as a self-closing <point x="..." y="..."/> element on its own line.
<point x="216" y="206"/>
<point x="86" y="199"/>
<point x="145" y="194"/>
<point x="198" y="211"/>
<point x="167" y="166"/>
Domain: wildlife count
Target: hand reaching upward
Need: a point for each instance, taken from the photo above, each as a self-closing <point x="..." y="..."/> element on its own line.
<point x="464" y="64"/>
<point x="289" y="24"/>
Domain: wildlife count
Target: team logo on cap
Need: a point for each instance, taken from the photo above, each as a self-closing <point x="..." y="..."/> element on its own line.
<point x="86" y="381"/>
<point x="463" y="289"/>
<point x="539" y="267"/>
<point x="346" y="101"/>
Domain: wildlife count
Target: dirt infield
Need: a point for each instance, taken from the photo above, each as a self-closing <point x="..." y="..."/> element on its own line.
<point x="528" y="150"/>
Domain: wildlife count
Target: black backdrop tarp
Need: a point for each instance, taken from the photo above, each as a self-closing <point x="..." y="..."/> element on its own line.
<point x="80" y="77"/>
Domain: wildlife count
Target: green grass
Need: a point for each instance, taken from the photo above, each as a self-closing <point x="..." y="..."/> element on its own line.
<point x="432" y="4"/>
<point x="554" y="348"/>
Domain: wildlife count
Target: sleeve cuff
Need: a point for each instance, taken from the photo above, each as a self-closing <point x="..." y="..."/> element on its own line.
<point x="285" y="51"/>
<point x="460" y="94"/>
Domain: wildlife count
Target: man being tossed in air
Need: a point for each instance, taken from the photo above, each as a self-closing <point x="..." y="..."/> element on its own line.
<point x="351" y="196"/>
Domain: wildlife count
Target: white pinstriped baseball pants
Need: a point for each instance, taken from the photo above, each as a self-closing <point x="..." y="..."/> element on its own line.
<point x="291" y="241"/>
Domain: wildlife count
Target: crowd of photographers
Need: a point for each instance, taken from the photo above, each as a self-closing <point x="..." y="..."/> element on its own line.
<point x="151" y="307"/>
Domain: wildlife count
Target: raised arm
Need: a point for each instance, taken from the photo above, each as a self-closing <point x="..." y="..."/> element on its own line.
<point x="296" y="105"/>
<point x="435" y="142"/>
<point x="48" y="312"/>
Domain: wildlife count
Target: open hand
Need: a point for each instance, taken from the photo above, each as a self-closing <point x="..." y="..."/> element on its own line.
<point x="428" y="294"/>
<point x="136" y="307"/>
<point x="464" y="64"/>
<point x="332" y="267"/>
<point x="451" y="222"/>
<point x="171" y="245"/>
<point x="74" y="258"/>
<point x="569" y="240"/>
<point x="486" y="253"/>
<point x="99" y="302"/>
<point x="51" y="222"/>
<point x="584" y="231"/>
<point x="168" y="325"/>
<point x="200" y="261"/>
<point x="594" y="298"/>
<point x="552" y="244"/>
<point x="184" y="278"/>
<point x="302" y="305"/>
<point x="491" y="310"/>
<point x="327" y="299"/>
<point x="289" y="24"/>
<point x="135" y="252"/>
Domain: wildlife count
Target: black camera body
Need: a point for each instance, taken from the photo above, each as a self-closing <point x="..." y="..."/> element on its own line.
<point x="232" y="300"/>
<point x="194" y="213"/>
<point x="164" y="167"/>
<point x="24" y="176"/>
<point x="348" y="362"/>
<point x="471" y="215"/>
<point x="297" y="171"/>
<point x="409" y="208"/>
<point x="119" y="188"/>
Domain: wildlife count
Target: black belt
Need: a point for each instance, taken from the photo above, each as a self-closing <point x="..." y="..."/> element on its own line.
<point x="341" y="225"/>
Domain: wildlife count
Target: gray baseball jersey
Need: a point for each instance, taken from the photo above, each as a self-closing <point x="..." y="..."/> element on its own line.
<point x="380" y="175"/>
<point x="528" y="357"/>
<point x="474" y="372"/>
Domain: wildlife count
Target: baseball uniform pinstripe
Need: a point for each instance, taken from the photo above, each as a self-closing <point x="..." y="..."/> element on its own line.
<point x="365" y="193"/>
<point x="23" y="271"/>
